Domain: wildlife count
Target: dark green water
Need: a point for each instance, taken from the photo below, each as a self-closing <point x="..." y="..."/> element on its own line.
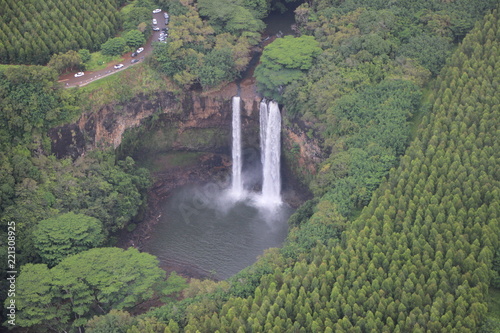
<point x="202" y="230"/>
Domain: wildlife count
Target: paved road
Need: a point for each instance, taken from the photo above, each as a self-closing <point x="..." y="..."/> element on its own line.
<point x="71" y="81"/>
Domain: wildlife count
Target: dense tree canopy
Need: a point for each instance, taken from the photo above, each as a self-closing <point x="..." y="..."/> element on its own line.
<point x="67" y="234"/>
<point x="284" y="61"/>
<point x="210" y="46"/>
<point x="32" y="31"/>
<point x="94" y="281"/>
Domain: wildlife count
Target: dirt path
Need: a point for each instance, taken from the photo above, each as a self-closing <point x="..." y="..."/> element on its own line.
<point x="70" y="80"/>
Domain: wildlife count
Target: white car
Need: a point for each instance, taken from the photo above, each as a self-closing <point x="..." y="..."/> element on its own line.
<point x="165" y="15"/>
<point x="156" y="29"/>
<point x="156" y="11"/>
<point x="139" y="50"/>
<point x="118" y="66"/>
<point x="155" y="21"/>
<point x="79" y="74"/>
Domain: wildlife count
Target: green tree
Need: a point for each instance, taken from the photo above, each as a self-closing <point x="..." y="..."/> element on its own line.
<point x="82" y="285"/>
<point x="65" y="235"/>
<point x="218" y="66"/>
<point x="84" y="55"/>
<point x="284" y="61"/>
<point x="134" y="38"/>
<point x="116" y="321"/>
<point x="114" y="46"/>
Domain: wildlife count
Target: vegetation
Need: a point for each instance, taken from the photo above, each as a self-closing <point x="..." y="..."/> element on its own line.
<point x="67" y="234"/>
<point x="417" y="251"/>
<point x="209" y="43"/>
<point x="31" y="31"/>
<point x="419" y="258"/>
<point x="283" y="62"/>
<point x="94" y="281"/>
<point x="60" y="206"/>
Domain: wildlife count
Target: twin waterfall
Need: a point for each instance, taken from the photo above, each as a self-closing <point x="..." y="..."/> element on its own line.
<point x="270" y="151"/>
<point x="237" y="183"/>
<point x="270" y="147"/>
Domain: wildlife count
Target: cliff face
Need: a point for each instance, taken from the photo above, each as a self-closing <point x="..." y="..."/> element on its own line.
<point x="190" y="122"/>
<point x="196" y="122"/>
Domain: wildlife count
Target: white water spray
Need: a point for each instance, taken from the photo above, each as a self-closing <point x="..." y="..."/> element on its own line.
<point x="271" y="186"/>
<point x="237" y="181"/>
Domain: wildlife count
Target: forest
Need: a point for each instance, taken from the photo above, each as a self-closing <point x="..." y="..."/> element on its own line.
<point x="31" y="31"/>
<point x="402" y="231"/>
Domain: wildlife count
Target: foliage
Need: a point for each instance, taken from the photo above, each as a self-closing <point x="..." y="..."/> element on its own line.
<point x="175" y="284"/>
<point x="218" y="66"/>
<point x="69" y="61"/>
<point x="32" y="31"/>
<point x="30" y="102"/>
<point x="44" y="187"/>
<point x="67" y="234"/>
<point x="419" y="257"/>
<point x="134" y="38"/>
<point x="283" y="61"/>
<point x="116" y="321"/>
<point x="419" y="48"/>
<point x="230" y="16"/>
<point x="94" y="281"/>
<point x="114" y="46"/>
<point x="84" y="55"/>
<point x="208" y="52"/>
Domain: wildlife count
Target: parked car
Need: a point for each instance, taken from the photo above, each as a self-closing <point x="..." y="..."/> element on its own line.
<point x="118" y="66"/>
<point x="139" y="50"/>
<point x="166" y="21"/>
<point x="155" y="22"/>
<point x="165" y="15"/>
<point x="156" y="10"/>
<point x="134" y="61"/>
<point x="79" y="74"/>
<point x="156" y="29"/>
<point x="134" y="54"/>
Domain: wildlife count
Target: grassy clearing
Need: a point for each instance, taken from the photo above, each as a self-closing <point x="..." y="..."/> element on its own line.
<point x="99" y="61"/>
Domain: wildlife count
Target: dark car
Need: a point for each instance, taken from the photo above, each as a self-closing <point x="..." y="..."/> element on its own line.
<point x="134" y="61"/>
<point x="134" y="54"/>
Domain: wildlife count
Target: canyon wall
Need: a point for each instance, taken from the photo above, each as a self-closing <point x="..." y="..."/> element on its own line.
<point x="194" y="122"/>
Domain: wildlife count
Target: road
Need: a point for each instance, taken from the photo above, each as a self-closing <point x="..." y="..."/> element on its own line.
<point x="70" y="80"/>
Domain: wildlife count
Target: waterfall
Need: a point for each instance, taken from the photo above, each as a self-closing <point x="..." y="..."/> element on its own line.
<point x="271" y="186"/>
<point x="263" y="114"/>
<point x="237" y="182"/>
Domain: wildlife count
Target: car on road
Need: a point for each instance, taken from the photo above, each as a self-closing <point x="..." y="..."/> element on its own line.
<point x="134" y="54"/>
<point x="156" y="10"/>
<point x="134" y="61"/>
<point x="79" y="74"/>
<point x="118" y="66"/>
<point x="156" y="29"/>
<point x="165" y="15"/>
<point x="139" y="50"/>
<point x="155" y="22"/>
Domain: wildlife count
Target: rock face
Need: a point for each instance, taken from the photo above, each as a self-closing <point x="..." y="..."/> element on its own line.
<point x="196" y="122"/>
<point x="199" y="121"/>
